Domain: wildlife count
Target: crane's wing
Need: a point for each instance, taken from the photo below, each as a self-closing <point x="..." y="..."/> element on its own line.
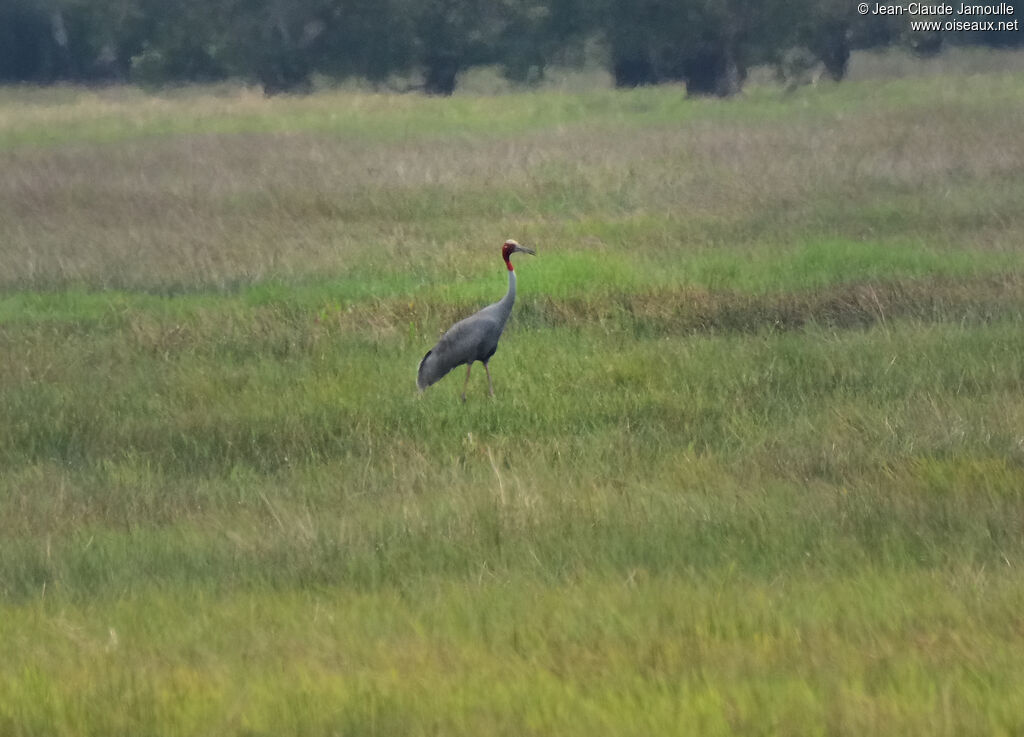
<point x="461" y="344"/>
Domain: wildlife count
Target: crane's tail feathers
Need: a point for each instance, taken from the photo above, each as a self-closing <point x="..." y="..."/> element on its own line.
<point x="432" y="369"/>
<point x="422" y="379"/>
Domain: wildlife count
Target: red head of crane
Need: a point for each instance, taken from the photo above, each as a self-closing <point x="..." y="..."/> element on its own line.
<point x="476" y="337"/>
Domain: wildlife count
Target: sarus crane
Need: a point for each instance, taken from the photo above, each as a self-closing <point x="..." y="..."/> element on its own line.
<point x="476" y="337"/>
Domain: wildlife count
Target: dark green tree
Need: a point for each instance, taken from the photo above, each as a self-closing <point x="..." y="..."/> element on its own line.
<point x="370" y="39"/>
<point x="27" y="45"/>
<point x="451" y="35"/>
<point x="277" y="42"/>
<point x="183" y="42"/>
<point x="708" y="44"/>
<point x="535" y="33"/>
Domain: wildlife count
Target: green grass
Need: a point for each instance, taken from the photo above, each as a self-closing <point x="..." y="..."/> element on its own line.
<point x="755" y="464"/>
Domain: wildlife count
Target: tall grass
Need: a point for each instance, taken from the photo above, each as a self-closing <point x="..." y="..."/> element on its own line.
<point x="755" y="463"/>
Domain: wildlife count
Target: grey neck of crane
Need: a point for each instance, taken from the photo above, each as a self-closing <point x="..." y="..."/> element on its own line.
<point x="510" y="296"/>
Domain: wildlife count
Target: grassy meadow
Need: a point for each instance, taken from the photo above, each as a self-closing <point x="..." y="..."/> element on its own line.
<point x="755" y="464"/>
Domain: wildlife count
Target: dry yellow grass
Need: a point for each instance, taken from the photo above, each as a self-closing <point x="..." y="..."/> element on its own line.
<point x="230" y="204"/>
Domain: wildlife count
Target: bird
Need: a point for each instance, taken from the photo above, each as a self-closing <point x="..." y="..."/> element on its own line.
<point x="474" y="338"/>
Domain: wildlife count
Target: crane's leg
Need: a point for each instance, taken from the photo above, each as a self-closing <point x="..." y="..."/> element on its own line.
<point x="469" y="367"/>
<point x="490" y="386"/>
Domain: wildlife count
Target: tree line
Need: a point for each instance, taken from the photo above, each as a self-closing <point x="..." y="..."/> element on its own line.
<point x="282" y="44"/>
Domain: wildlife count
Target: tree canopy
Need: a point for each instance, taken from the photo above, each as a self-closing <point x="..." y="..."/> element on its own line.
<point x="282" y="44"/>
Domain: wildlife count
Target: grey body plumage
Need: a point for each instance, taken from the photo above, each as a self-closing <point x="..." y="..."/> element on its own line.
<point x="474" y="338"/>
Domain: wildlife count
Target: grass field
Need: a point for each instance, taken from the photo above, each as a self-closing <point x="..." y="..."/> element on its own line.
<point x="755" y="464"/>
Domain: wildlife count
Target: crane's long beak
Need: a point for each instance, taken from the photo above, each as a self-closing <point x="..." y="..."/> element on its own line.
<point x="524" y="249"/>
